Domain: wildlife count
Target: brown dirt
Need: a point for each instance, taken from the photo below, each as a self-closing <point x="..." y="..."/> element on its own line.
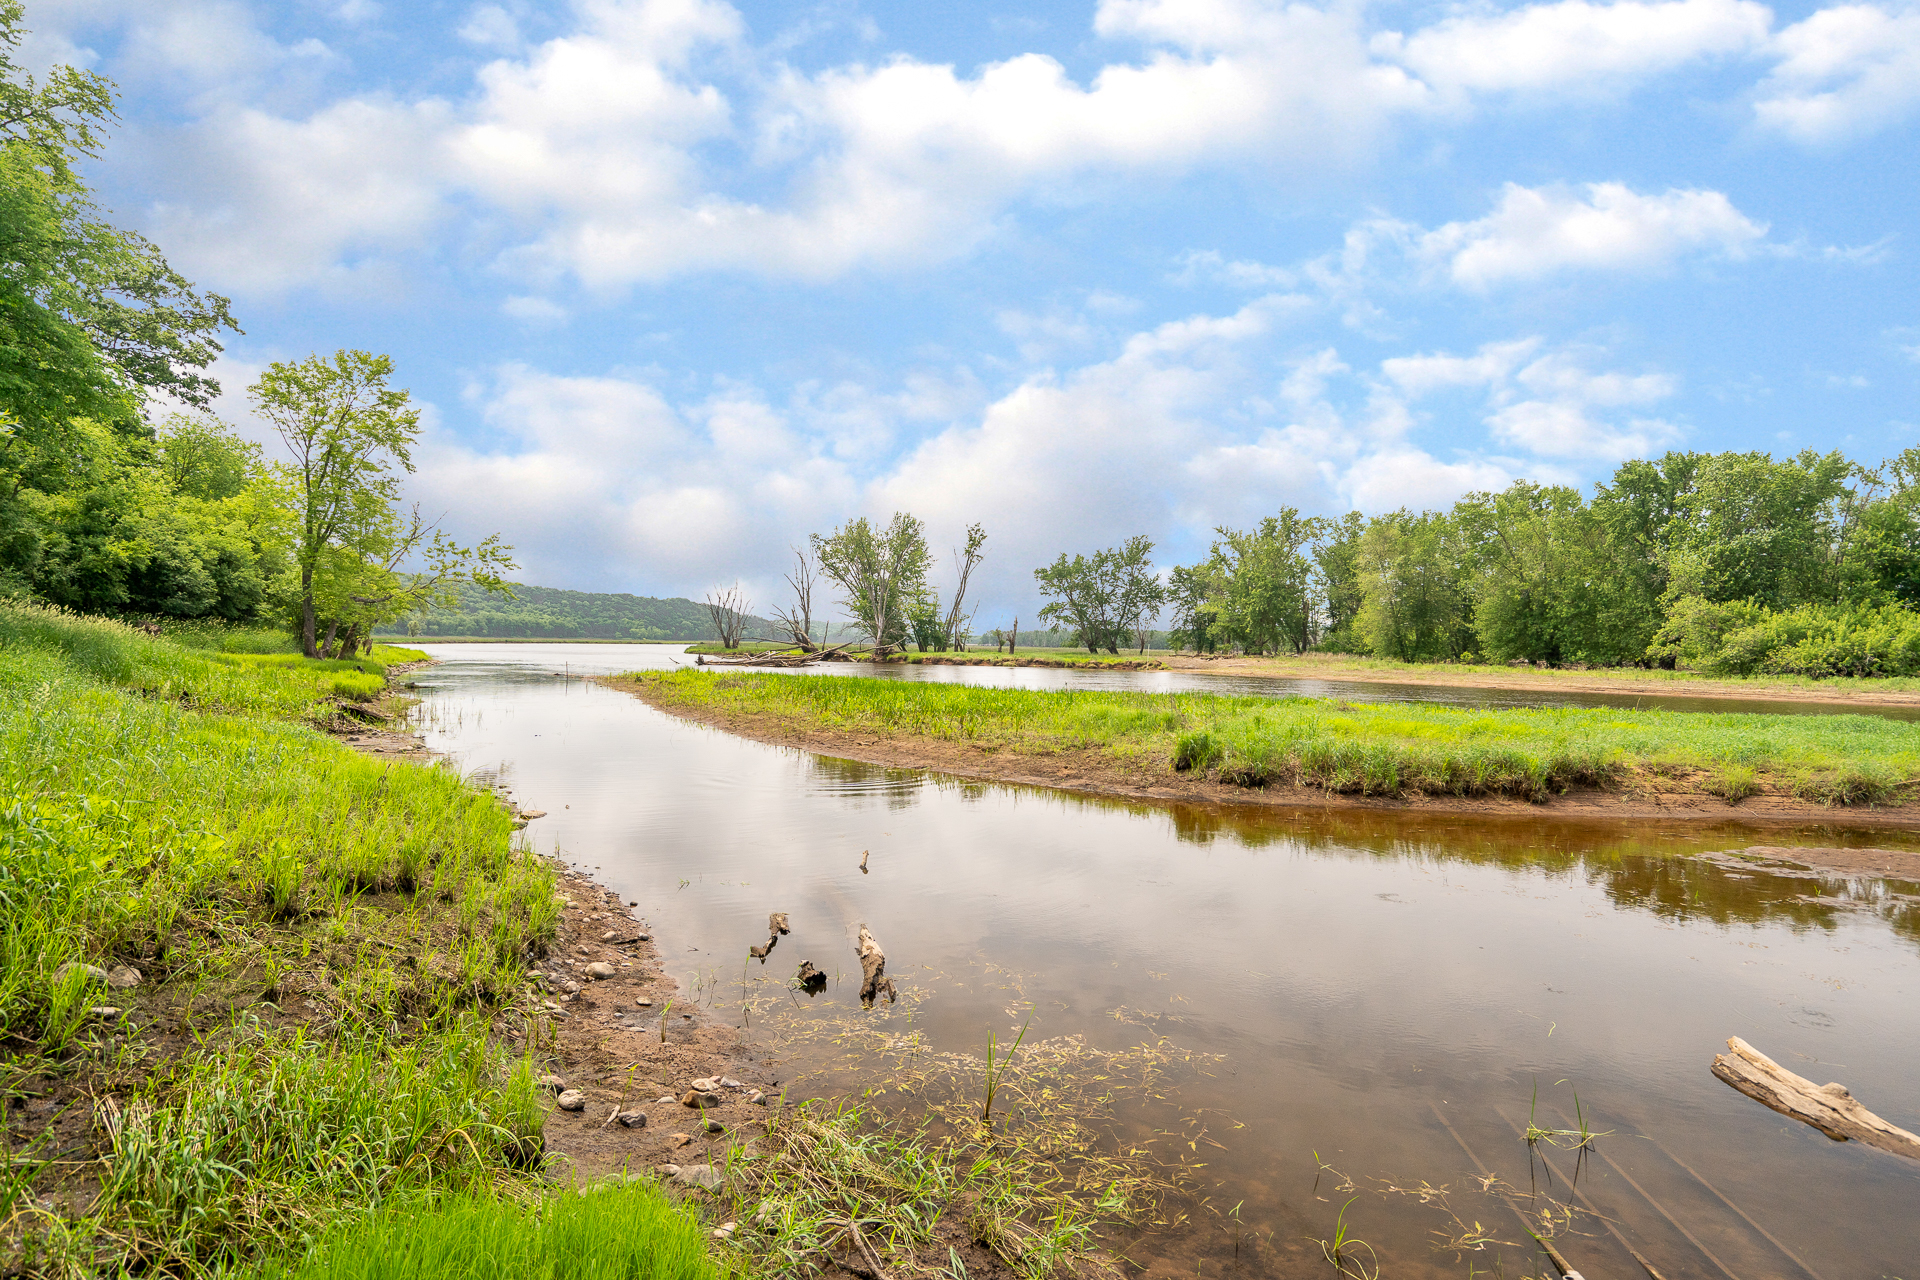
<point x="1336" y="667"/>
<point x="602" y="1042"/>
<point x="1093" y="771"/>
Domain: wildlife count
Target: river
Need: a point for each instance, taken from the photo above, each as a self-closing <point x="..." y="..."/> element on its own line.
<point x="1384" y="995"/>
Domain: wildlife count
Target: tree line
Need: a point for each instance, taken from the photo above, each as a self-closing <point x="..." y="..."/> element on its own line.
<point x="1735" y="562"/>
<point x="120" y="490"/>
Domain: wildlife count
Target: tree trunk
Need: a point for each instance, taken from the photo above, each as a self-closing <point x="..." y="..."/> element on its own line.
<point x="326" y="649"/>
<point x="1013" y="637"/>
<point x="307" y="620"/>
<point x="350" y="643"/>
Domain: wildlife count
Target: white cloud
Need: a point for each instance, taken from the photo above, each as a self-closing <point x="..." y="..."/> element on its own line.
<point x="1574" y="47"/>
<point x="1547" y="403"/>
<point x="490" y="26"/>
<point x="1843" y="72"/>
<point x="1536" y="232"/>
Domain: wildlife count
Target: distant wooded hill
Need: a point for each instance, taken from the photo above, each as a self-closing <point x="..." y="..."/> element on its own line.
<point x="545" y="613"/>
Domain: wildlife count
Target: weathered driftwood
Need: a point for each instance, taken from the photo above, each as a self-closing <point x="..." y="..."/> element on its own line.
<point x="811" y="980"/>
<point x="874" y="981"/>
<point x="760" y="952"/>
<point x="796" y="658"/>
<point x="1829" y="1107"/>
<point x="863" y="862"/>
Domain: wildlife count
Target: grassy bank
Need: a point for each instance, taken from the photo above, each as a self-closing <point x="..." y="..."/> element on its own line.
<point x="260" y="997"/>
<point x="1366" y="749"/>
<point x="247" y="977"/>
<point x="1334" y="666"/>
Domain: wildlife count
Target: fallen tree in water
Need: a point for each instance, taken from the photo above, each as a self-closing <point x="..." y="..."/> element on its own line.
<point x="1830" y="1108"/>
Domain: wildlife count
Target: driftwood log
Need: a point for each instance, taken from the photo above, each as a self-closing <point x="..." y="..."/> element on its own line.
<point x="811" y="980"/>
<point x="874" y="981"/>
<point x="1827" y="1107"/>
<point x="796" y="658"/>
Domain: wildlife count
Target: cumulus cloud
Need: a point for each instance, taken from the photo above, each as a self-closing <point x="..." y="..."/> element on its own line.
<point x="1539" y="231"/>
<point x="1843" y="72"/>
<point x="655" y="138"/>
<point x="1574" y="46"/>
<point x="1549" y="403"/>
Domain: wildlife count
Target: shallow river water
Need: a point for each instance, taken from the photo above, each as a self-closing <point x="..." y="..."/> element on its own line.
<point x="1383" y="994"/>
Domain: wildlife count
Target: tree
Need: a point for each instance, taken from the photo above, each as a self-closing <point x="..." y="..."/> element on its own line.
<point x="367" y="584"/>
<point x="797" y="621"/>
<point x="1265" y="583"/>
<point x="1750" y="528"/>
<point x="346" y="430"/>
<point x="1106" y="598"/>
<point x="965" y="560"/>
<point x="1190" y="593"/>
<point x="728" y="607"/>
<point x="882" y="571"/>
<point x="1336" y="554"/>
<point x="1410" y="571"/>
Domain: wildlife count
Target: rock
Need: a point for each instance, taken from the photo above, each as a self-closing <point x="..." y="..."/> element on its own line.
<point x="681" y="1139"/>
<point x="730" y="1083"/>
<point x="124" y="977"/>
<point x="570" y="987"/>
<point x="758" y="1099"/>
<point x="713" y="1126"/>
<point x="601" y="969"/>
<point x="704" y="1176"/>
<point x="530" y="814"/>
<point x="93" y="971"/>
<point x="706" y="1084"/>
<point x="696" y="1099"/>
<point x="105" y="1011"/>
<point x="609" y="936"/>
<point x="644" y="1003"/>
<point x="668" y="1098"/>
<point x="633" y="1119"/>
<point x="724" y="1231"/>
<point x="553" y="1084"/>
<point x="573" y="1100"/>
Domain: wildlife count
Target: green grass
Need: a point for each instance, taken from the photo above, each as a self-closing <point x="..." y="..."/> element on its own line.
<point x="280" y="684"/>
<point x="1357" y="748"/>
<point x="1324" y="665"/>
<point x="614" y="1232"/>
<point x="326" y="940"/>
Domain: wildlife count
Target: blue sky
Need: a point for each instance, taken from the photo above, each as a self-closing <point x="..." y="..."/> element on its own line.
<point x="681" y="281"/>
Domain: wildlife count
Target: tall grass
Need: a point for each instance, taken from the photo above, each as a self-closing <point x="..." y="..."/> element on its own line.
<point x="1356" y="748"/>
<point x="628" y="1232"/>
<point x="326" y="937"/>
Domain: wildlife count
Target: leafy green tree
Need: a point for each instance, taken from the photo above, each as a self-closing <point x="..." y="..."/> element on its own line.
<point x="1191" y="590"/>
<point x="883" y="573"/>
<point x="1544" y="584"/>
<point x="1750" y="528"/>
<point x="346" y="430"/>
<point x="1336" y="555"/>
<point x="1106" y="599"/>
<point x="1415" y="607"/>
<point x="1266" y="583"/>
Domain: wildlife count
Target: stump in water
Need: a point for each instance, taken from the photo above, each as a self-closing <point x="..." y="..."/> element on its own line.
<point x="873" y="971"/>
<point x="1829" y="1107"/>
<point x="776" y="925"/>
<point x="811" y="980"/>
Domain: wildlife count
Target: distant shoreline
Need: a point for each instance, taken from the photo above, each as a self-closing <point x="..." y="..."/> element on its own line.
<point x="419" y="640"/>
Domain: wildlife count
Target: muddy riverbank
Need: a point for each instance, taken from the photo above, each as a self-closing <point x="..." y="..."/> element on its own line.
<point x="1333" y="667"/>
<point x="603" y="1037"/>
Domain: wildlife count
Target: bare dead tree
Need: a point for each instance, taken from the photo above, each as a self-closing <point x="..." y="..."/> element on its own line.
<point x="728" y="610"/>
<point x="964" y="563"/>
<point x="797" y="621"/>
